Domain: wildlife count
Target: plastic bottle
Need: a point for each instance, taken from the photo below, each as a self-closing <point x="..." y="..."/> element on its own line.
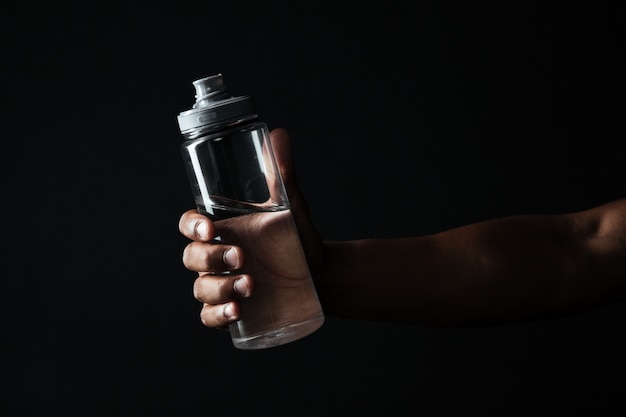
<point x="235" y="182"/>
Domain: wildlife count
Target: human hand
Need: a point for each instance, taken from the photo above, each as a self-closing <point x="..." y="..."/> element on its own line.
<point x="225" y="273"/>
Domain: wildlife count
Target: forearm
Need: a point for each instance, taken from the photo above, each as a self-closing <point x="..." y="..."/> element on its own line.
<point x="504" y="270"/>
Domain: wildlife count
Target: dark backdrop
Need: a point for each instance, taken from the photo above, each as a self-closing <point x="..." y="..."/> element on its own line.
<point x="407" y="118"/>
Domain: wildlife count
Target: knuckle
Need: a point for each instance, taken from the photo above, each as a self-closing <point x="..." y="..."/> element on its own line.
<point x="187" y="256"/>
<point x="183" y="222"/>
<point x="212" y="316"/>
<point x="213" y="289"/>
<point x="223" y="288"/>
<point x="204" y="317"/>
<point x="207" y="262"/>
<point x="197" y="294"/>
<point x="197" y="257"/>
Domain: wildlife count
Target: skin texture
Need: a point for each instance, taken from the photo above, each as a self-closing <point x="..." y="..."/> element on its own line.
<point x="494" y="272"/>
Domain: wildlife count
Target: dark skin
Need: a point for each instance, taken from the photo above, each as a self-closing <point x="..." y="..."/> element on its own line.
<point x="499" y="271"/>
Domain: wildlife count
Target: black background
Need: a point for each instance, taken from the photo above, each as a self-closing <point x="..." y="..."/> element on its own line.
<point x="407" y="118"/>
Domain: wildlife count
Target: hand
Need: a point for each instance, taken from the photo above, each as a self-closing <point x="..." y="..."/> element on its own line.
<point x="222" y="267"/>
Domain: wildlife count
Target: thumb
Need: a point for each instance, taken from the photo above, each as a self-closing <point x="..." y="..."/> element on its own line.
<point x="281" y="144"/>
<point x="311" y="240"/>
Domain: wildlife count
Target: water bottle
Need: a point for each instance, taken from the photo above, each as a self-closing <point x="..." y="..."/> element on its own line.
<point x="235" y="182"/>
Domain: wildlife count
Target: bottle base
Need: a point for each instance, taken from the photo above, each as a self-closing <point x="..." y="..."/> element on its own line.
<point x="280" y="336"/>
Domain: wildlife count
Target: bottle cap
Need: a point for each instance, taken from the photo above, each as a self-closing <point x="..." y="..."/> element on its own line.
<point x="215" y="106"/>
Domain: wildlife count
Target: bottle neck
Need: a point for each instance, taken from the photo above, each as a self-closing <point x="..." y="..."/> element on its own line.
<point x="218" y="127"/>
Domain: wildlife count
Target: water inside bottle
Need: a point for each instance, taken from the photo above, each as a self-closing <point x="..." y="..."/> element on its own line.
<point x="285" y="306"/>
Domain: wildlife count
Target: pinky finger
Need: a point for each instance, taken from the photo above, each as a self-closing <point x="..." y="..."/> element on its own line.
<point x="219" y="316"/>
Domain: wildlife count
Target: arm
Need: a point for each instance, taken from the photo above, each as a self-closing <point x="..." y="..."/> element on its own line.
<point x="503" y="270"/>
<point x="498" y="271"/>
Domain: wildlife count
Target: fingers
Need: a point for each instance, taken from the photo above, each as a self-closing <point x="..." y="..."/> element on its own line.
<point x="216" y="293"/>
<point x="196" y="226"/>
<point x="219" y="316"/>
<point x="208" y="256"/>
<point x="212" y="289"/>
<point x="220" y="294"/>
<point x="212" y="257"/>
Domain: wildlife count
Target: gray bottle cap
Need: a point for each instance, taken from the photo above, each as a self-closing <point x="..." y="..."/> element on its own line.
<point x="215" y="106"/>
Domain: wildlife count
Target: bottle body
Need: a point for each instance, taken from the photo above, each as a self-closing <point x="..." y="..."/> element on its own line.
<point x="236" y="183"/>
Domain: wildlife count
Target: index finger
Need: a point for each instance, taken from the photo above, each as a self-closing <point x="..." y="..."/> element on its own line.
<point x="196" y="226"/>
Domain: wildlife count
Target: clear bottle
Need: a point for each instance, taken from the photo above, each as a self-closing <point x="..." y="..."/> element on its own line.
<point x="235" y="182"/>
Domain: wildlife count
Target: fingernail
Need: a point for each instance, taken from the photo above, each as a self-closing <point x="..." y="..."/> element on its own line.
<point x="228" y="311"/>
<point x="241" y="287"/>
<point x="201" y="230"/>
<point x="230" y="258"/>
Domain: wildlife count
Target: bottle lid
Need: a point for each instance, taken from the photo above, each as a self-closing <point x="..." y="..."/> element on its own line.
<point x="215" y="106"/>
